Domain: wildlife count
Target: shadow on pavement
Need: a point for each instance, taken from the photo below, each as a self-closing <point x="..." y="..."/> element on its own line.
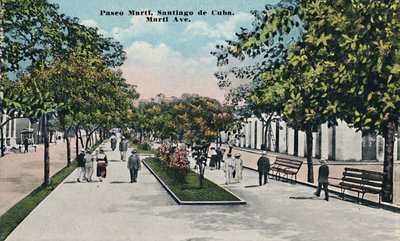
<point x="115" y="161"/>
<point x="312" y="198"/>
<point x="119" y="182"/>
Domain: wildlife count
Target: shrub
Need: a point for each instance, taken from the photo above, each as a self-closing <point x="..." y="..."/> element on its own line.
<point x="144" y="146"/>
<point x="176" y="160"/>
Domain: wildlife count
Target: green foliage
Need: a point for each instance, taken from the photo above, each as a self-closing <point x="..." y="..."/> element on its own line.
<point x="190" y="191"/>
<point x="176" y="160"/>
<point x="144" y="146"/>
<point x="191" y="117"/>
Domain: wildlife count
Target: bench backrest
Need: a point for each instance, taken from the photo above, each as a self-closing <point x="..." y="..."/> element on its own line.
<point x="294" y="164"/>
<point x="370" y="180"/>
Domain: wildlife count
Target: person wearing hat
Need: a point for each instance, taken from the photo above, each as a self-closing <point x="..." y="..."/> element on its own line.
<point x="134" y="165"/>
<point x="238" y="167"/>
<point x="88" y="166"/>
<point x="123" y="148"/>
<point x="323" y="173"/>
<point x="229" y="166"/>
<point x="81" y="164"/>
<point x="102" y="163"/>
<point x="263" y="166"/>
<point x="213" y="158"/>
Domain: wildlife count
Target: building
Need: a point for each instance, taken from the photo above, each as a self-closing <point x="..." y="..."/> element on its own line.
<point x="337" y="143"/>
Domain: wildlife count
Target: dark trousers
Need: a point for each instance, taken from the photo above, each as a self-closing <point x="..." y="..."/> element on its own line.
<point x="318" y="192"/>
<point x="134" y="174"/>
<point x="260" y="175"/>
<point x="218" y="164"/>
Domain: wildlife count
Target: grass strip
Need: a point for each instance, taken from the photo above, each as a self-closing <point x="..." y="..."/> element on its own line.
<point x="190" y="190"/>
<point x="15" y="215"/>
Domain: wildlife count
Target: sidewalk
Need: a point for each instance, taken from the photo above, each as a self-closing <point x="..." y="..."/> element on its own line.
<point x="21" y="173"/>
<point x="121" y="211"/>
<point x="250" y="157"/>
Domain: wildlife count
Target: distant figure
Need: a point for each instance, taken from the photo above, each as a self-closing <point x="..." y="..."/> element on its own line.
<point x="113" y="141"/>
<point x="88" y="166"/>
<point x="102" y="163"/>
<point x="230" y="145"/>
<point x="263" y="165"/>
<point x="219" y="157"/>
<point x="323" y="174"/>
<point x="123" y="147"/>
<point x="229" y="166"/>
<point x="134" y="165"/>
<point x="81" y="165"/>
<point x="26" y="145"/>
<point x="213" y="158"/>
<point x="238" y="167"/>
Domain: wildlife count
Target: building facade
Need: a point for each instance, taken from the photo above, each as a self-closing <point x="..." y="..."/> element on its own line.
<point x="337" y="143"/>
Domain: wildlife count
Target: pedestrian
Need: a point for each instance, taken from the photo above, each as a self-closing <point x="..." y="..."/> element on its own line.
<point x="113" y="141"/>
<point x="102" y="163"/>
<point x="323" y="174"/>
<point x="263" y="166"/>
<point x="26" y="145"/>
<point x="81" y="165"/>
<point x="88" y="166"/>
<point x="213" y="158"/>
<point x="230" y="145"/>
<point x="238" y="167"/>
<point x="219" y="157"/>
<point x="134" y="165"/>
<point x="229" y="166"/>
<point x="123" y="147"/>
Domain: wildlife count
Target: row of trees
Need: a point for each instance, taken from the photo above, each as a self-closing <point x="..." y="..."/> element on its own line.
<point x="190" y="118"/>
<point x="324" y="60"/>
<point x="54" y="67"/>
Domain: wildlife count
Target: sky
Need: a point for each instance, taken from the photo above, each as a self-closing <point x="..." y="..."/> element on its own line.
<point x="163" y="55"/>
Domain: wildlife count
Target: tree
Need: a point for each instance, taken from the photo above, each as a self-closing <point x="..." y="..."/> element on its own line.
<point x="366" y="44"/>
<point x="35" y="36"/>
<point x="350" y="51"/>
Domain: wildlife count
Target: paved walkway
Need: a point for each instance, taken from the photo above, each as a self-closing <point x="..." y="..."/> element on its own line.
<point x="118" y="210"/>
<point x="250" y="157"/>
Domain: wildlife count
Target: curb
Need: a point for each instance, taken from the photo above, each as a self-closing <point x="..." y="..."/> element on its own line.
<point x="385" y="206"/>
<point x="180" y="202"/>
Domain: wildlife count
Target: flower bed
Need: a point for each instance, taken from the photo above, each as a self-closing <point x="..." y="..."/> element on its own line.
<point x="190" y="189"/>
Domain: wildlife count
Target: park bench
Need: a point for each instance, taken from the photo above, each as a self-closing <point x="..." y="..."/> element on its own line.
<point x="283" y="167"/>
<point x="361" y="181"/>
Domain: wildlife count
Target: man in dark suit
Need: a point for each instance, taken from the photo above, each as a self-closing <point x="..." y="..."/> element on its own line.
<point x="134" y="165"/>
<point x="263" y="165"/>
<point x="323" y="173"/>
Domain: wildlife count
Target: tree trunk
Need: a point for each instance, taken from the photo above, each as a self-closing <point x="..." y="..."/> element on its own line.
<point x="46" y="151"/>
<point x="76" y="144"/>
<point x="201" y="176"/>
<point x="68" y="151"/>
<point x="388" y="134"/>
<point x="2" y="135"/>
<point x="80" y="137"/>
<point x="88" y="139"/>
<point x="310" y="170"/>
<point x="267" y="124"/>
